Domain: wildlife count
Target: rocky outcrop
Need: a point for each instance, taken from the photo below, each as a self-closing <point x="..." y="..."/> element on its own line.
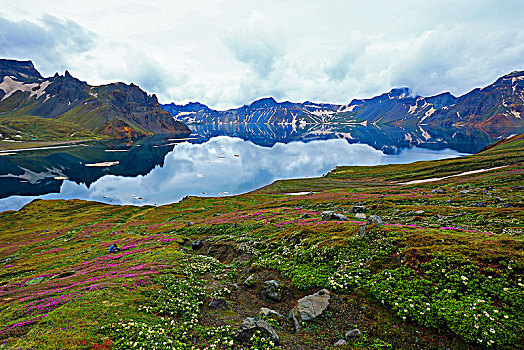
<point x="331" y="215"/>
<point x="250" y="325"/>
<point x="309" y="307"/>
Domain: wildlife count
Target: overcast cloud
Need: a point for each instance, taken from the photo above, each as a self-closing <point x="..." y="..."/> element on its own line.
<point x="229" y="53"/>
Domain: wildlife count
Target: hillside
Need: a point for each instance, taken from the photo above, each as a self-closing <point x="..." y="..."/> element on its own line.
<point x="426" y="255"/>
<point x="63" y="107"/>
<point x="498" y="105"/>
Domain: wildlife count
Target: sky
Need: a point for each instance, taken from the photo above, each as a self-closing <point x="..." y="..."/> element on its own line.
<point x="229" y="53"/>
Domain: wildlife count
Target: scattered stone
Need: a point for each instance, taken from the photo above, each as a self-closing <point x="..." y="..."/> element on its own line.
<point x="270" y="291"/>
<point x="479" y="204"/>
<point x="360" y="216"/>
<point x="190" y="223"/>
<point x="359" y="209"/>
<point x="362" y="230"/>
<point x="468" y="187"/>
<point x="218" y="303"/>
<point x="331" y="215"/>
<point x="374" y="219"/>
<point x="309" y="307"/>
<point x="437" y="190"/>
<point x="419" y="212"/>
<point x="264" y="311"/>
<point x="35" y="280"/>
<point x="196" y="245"/>
<point x="340" y="342"/>
<point x="234" y="286"/>
<point x="352" y="334"/>
<point x="250" y="325"/>
<point x="464" y="192"/>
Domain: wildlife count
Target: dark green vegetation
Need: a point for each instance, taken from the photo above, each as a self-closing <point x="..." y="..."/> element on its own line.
<point x="444" y="270"/>
<point x="64" y="108"/>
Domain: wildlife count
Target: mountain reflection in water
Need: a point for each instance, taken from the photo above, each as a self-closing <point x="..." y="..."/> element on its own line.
<point x="215" y="160"/>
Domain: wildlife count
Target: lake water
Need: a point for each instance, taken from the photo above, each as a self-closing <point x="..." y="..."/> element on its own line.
<point x="214" y="161"/>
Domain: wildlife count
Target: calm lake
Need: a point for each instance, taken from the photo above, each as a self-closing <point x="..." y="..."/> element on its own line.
<point x="214" y="161"/>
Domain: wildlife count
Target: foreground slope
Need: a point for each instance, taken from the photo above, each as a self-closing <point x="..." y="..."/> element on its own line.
<point x="444" y="270"/>
<point x="62" y="107"/>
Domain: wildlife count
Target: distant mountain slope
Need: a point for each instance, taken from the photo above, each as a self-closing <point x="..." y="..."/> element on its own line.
<point x="500" y="104"/>
<point x="117" y="110"/>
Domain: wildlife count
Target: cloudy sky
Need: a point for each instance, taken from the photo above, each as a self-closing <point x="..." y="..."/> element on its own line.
<point x="228" y="53"/>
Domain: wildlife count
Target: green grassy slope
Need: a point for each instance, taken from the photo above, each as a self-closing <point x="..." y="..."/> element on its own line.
<point x="444" y="270"/>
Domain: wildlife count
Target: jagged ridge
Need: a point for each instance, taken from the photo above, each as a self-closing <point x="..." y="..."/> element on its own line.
<point x="497" y="105"/>
<point x="117" y="109"/>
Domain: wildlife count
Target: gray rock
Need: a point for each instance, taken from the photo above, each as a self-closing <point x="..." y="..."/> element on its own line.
<point x="196" y="245"/>
<point x="270" y="291"/>
<point x="264" y="311"/>
<point x="35" y="280"/>
<point x="218" y="303"/>
<point x="233" y="286"/>
<point x="437" y="190"/>
<point x="250" y="325"/>
<point x="374" y="219"/>
<point x="190" y="223"/>
<point x="360" y="216"/>
<point x="352" y="334"/>
<point x="479" y="205"/>
<point x="359" y="209"/>
<point x="331" y="215"/>
<point x="362" y="230"/>
<point x="340" y="342"/>
<point x="309" y="307"/>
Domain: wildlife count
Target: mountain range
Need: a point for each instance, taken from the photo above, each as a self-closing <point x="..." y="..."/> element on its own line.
<point x="32" y="106"/>
<point x="500" y="104"/>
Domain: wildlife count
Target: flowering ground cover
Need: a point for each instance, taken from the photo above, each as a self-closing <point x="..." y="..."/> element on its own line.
<point x="445" y="269"/>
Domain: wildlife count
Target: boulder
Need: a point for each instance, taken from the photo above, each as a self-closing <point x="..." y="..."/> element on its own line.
<point x="374" y="219"/>
<point x="331" y="215"/>
<point x="264" y="311"/>
<point x="218" y="303"/>
<point x="196" y="245"/>
<point x="340" y="342"/>
<point x="270" y="291"/>
<point x="309" y="307"/>
<point x="359" y="209"/>
<point x="352" y="334"/>
<point x="252" y="324"/>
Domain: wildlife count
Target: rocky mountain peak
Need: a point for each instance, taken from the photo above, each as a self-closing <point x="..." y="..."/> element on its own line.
<point x="264" y="102"/>
<point x="20" y="70"/>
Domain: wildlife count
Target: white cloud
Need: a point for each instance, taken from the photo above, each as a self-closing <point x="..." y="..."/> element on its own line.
<point x="228" y="53"/>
